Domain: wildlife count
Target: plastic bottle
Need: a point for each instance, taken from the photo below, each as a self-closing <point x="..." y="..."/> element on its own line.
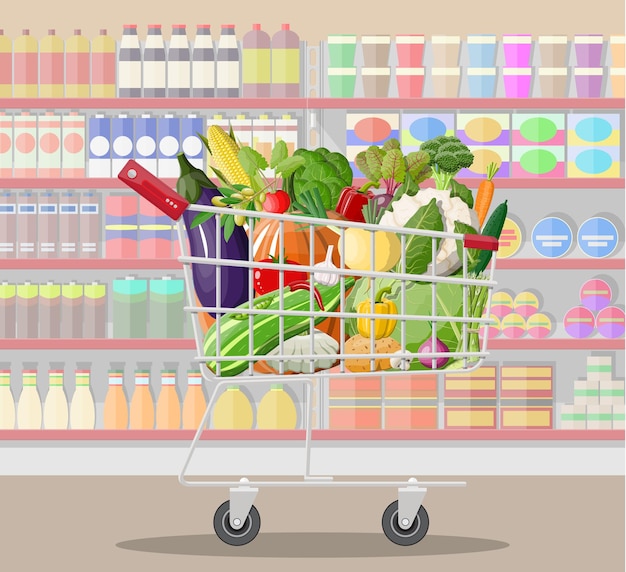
<point x="168" y="403"/>
<point x="233" y="410"/>
<point x="103" y="65"/>
<point x="51" y="66"/>
<point x="7" y="403"/>
<point x="25" y="66"/>
<point x="29" y="411"/>
<point x="228" y="66"/>
<point x="203" y="63"/>
<point x="77" y="65"/>
<point x="6" y="65"/>
<point x="256" y="63"/>
<point x="82" y="408"/>
<point x="194" y="404"/>
<point x="154" y="63"/>
<point x="285" y="63"/>
<point x="277" y="410"/>
<point x="129" y="64"/>
<point x="115" y="403"/>
<point x="142" y="403"/>
<point x="179" y="63"/>
<point x="55" y="409"/>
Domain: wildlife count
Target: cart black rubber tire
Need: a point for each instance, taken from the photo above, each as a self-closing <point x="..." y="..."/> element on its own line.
<point x="228" y="534"/>
<point x="397" y="535"/>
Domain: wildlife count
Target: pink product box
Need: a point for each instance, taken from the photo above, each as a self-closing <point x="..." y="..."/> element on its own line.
<point x="558" y="172"/>
<point x="558" y="139"/>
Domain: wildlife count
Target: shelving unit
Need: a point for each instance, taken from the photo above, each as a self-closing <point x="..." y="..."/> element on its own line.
<point x="313" y="109"/>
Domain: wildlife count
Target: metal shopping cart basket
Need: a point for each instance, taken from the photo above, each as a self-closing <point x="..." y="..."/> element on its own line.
<point x="405" y="521"/>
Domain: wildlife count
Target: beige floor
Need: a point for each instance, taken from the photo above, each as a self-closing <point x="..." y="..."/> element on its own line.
<point x="155" y="524"/>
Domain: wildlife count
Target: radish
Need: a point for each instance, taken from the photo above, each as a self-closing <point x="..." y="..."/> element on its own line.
<point x="427" y="348"/>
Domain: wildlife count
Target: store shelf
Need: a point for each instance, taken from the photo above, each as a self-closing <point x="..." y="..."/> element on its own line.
<point x="317" y="435"/>
<point x="98" y="344"/>
<point x="560" y="264"/>
<point x="311" y="103"/>
<point x="556" y="344"/>
<point x="115" y="183"/>
<point x="90" y="264"/>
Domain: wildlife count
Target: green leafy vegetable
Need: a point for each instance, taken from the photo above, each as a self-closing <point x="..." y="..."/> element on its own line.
<point x="472" y="253"/>
<point x="419" y="248"/>
<point x="461" y="191"/>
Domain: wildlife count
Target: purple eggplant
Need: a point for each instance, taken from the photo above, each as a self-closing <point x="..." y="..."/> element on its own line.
<point x="234" y="279"/>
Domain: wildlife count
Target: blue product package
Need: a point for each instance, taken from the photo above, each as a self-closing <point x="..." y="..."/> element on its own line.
<point x="168" y="132"/>
<point x="146" y="142"/>
<point x="100" y="146"/>
<point x="122" y="141"/>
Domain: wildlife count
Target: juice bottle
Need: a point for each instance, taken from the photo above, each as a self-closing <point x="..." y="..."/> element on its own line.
<point x="285" y="63"/>
<point x="233" y="410"/>
<point x="82" y="408"/>
<point x="203" y="63"/>
<point x="51" y="66"/>
<point x="29" y="411"/>
<point x="129" y="63"/>
<point x="115" y="404"/>
<point x="168" y="403"/>
<point x="7" y="403"/>
<point x="77" y="66"/>
<point x="194" y="404"/>
<point x="25" y="66"/>
<point x="55" y="409"/>
<point x="228" y="63"/>
<point x="179" y="63"/>
<point x="154" y="63"/>
<point x="6" y="65"/>
<point x="277" y="410"/>
<point x="142" y="404"/>
<point x="103" y="65"/>
<point x="256" y="63"/>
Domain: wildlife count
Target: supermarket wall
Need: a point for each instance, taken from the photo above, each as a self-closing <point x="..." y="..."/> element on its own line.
<point x="313" y="21"/>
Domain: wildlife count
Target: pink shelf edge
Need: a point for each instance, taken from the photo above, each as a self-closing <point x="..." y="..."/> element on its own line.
<point x="504" y="183"/>
<point x="417" y="435"/>
<point x="313" y="103"/>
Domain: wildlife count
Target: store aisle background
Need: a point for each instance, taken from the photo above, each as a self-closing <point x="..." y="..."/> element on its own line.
<point x="155" y="524"/>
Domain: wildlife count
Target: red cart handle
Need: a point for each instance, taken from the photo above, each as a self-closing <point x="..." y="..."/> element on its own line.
<point x="479" y="241"/>
<point x="153" y="189"/>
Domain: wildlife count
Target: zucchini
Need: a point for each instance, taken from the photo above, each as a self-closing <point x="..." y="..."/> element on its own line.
<point x="493" y="227"/>
<point x="235" y="332"/>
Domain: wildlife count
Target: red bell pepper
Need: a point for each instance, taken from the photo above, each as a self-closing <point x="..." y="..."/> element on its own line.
<point x="352" y="200"/>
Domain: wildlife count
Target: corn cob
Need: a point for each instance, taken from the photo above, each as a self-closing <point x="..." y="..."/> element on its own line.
<point x="224" y="151"/>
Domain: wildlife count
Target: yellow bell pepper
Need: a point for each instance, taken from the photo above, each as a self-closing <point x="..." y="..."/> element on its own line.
<point x="383" y="327"/>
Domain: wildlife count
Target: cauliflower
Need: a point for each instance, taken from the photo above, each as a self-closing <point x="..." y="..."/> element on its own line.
<point x="451" y="209"/>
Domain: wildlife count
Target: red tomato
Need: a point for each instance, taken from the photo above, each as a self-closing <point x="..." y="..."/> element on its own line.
<point x="276" y="202"/>
<point x="267" y="279"/>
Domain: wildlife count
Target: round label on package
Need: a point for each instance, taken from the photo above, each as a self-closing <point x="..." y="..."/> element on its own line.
<point x="597" y="237"/>
<point x="510" y="239"/>
<point x="552" y="237"/>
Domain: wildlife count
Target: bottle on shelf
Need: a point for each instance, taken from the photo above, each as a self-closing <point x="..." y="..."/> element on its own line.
<point x="228" y="65"/>
<point x="179" y="63"/>
<point x="255" y="62"/>
<point x="154" y="63"/>
<point x="203" y="63"/>
<point x="168" y="402"/>
<point x="130" y="308"/>
<point x="25" y="66"/>
<point x="48" y="223"/>
<point x="7" y="403"/>
<point x="77" y="65"/>
<point x="194" y="404"/>
<point x="90" y="225"/>
<point x="26" y="225"/>
<point x="8" y="301"/>
<point x="167" y="301"/>
<point x="233" y="410"/>
<point x="115" y="402"/>
<point x="82" y="408"/>
<point x="55" y="409"/>
<point x="103" y="65"/>
<point x="50" y="310"/>
<point x="285" y="63"/>
<point x="29" y="410"/>
<point x="68" y="225"/>
<point x="142" y="403"/>
<point x="277" y="410"/>
<point x="51" y="66"/>
<point x="27" y="310"/>
<point x="129" y="63"/>
<point x="6" y="66"/>
<point x="94" y="310"/>
<point x="72" y="310"/>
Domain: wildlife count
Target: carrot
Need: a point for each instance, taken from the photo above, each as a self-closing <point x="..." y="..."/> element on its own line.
<point x="485" y="193"/>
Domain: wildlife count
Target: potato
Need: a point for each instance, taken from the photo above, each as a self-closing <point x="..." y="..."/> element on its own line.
<point x="361" y="345"/>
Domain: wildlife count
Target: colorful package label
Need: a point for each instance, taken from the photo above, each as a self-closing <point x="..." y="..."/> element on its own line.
<point x="552" y="237"/>
<point x="544" y="161"/>
<point x="533" y="129"/>
<point x="416" y="128"/>
<point x="598" y="237"/>
<point x="364" y="129"/>
<point x="599" y="162"/>
<point x="596" y="129"/>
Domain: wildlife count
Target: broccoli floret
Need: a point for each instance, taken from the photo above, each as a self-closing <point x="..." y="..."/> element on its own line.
<point x="448" y="155"/>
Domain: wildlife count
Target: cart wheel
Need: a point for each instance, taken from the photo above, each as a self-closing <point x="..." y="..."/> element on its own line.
<point x="228" y="534"/>
<point x="412" y="535"/>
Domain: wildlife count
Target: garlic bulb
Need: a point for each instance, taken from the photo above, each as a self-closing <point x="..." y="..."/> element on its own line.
<point x="326" y="278"/>
<point x="325" y="349"/>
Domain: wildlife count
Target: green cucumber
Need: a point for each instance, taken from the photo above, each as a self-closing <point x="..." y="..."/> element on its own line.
<point x="493" y="227"/>
<point x="235" y="332"/>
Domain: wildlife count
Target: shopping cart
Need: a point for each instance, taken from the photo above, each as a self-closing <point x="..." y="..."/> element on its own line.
<point x="237" y="521"/>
